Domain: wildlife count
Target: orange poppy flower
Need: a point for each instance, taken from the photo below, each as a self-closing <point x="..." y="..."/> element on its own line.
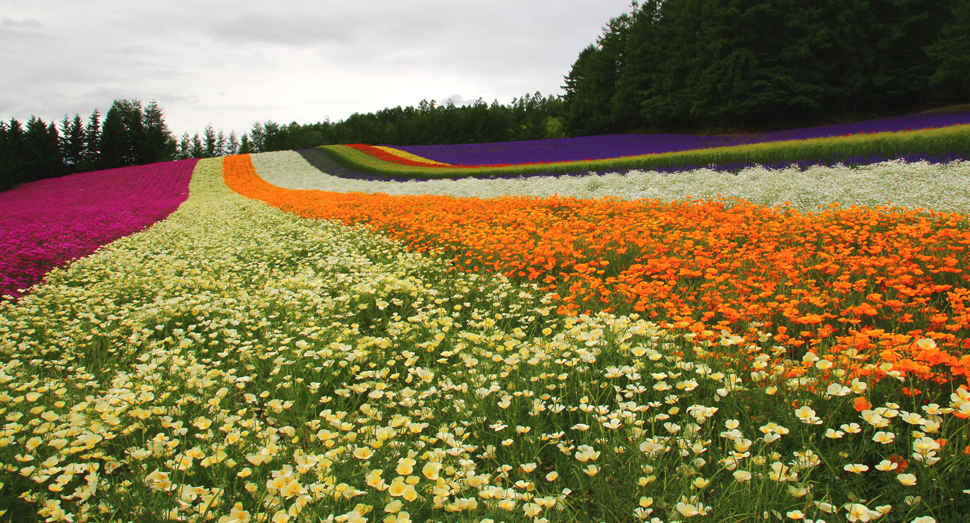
<point x="861" y="404"/>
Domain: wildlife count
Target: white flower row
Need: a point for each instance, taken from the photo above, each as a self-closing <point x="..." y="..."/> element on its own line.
<point x="939" y="187"/>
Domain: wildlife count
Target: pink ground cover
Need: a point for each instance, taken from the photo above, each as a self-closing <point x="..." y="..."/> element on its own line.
<point x="49" y="223"/>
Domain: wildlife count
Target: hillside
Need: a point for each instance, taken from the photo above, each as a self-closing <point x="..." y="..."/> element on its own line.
<point x="290" y="344"/>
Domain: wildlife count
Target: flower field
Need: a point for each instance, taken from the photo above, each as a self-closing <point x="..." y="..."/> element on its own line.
<point x="615" y="146"/>
<point x="705" y="266"/>
<point x="942" y="139"/>
<point x="48" y="223"/>
<point x="294" y="346"/>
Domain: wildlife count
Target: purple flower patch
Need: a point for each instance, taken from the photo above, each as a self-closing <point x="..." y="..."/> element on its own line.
<point x="618" y="145"/>
<point x="49" y="223"/>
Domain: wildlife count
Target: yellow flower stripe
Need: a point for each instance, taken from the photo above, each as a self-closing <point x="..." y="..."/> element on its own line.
<point x="408" y="156"/>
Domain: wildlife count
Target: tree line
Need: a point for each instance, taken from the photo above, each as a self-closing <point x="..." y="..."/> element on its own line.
<point x="704" y="65"/>
<point x="128" y="135"/>
<point x="132" y="135"/>
<point x="531" y="117"/>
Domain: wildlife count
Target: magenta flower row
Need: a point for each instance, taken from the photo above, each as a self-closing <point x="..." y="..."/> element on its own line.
<point x="49" y="223"/>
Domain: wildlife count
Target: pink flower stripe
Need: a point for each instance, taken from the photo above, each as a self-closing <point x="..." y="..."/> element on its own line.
<point x="49" y="223"/>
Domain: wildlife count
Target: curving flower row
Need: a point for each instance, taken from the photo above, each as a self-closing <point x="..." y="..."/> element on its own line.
<point x="399" y="153"/>
<point x="390" y="155"/>
<point x="48" y="223"/>
<point x="855" y="284"/>
<point x="402" y="157"/>
<point x="938" y="186"/>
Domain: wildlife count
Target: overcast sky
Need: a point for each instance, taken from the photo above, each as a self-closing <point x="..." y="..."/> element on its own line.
<point x="234" y="63"/>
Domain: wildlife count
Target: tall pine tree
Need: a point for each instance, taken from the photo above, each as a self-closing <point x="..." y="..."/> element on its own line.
<point x="41" y="151"/>
<point x="92" y="143"/>
<point x="951" y="53"/>
<point x="667" y="104"/>
<point x="72" y="143"/>
<point x="11" y="155"/>
<point x="115" y="146"/>
<point x="593" y="79"/>
<point x="642" y="59"/>
<point x="159" y="146"/>
<point x="197" y="150"/>
<point x="209" y="141"/>
<point x="138" y="149"/>
<point x="748" y="73"/>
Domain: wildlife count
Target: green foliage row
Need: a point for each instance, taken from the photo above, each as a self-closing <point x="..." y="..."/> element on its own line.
<point x="944" y="142"/>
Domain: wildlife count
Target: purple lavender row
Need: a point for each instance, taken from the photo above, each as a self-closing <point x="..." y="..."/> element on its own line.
<point x="328" y="165"/>
<point x="618" y="145"/>
<point x="49" y="223"/>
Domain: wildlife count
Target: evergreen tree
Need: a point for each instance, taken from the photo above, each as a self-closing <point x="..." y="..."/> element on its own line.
<point x="849" y="53"/>
<point x="809" y="41"/>
<point x="748" y="75"/>
<point x="197" y="150"/>
<point x="158" y="146"/>
<point x="72" y="143"/>
<point x="638" y="75"/>
<point x="666" y="103"/>
<point x="581" y="91"/>
<point x="910" y="27"/>
<point x="92" y="143"/>
<point x="41" y="151"/>
<point x="274" y="138"/>
<point x="244" y="147"/>
<point x="209" y="141"/>
<point x="951" y="53"/>
<point x="184" y="148"/>
<point x="137" y="147"/>
<point x="115" y="147"/>
<point x="127" y="136"/>
<point x="689" y="64"/>
<point x="221" y="144"/>
<point x="498" y="123"/>
<point x="256" y="137"/>
<point x="125" y="140"/>
<point x="232" y="146"/>
<point x="11" y="155"/>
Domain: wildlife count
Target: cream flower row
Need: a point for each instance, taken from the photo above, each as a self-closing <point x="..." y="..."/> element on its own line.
<point x="939" y="187"/>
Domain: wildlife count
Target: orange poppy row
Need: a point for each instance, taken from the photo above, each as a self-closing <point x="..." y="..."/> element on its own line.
<point x="855" y="285"/>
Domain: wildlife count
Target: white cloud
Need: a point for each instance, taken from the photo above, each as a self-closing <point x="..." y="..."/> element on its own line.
<point x="233" y="63"/>
<point x="25" y="25"/>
